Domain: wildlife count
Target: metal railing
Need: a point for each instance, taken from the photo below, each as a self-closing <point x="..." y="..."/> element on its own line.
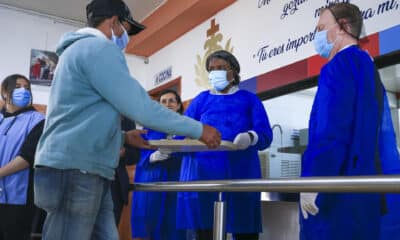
<point x="355" y="184"/>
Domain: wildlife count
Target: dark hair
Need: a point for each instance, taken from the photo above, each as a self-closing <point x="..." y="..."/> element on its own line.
<point x="348" y="15"/>
<point x="230" y="59"/>
<point x="9" y="83"/>
<point x="94" y="22"/>
<point x="177" y="98"/>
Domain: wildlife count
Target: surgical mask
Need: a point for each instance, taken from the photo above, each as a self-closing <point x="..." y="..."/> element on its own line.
<point x="122" y="41"/>
<point x="218" y="80"/>
<point x="21" y="97"/>
<point x="321" y="44"/>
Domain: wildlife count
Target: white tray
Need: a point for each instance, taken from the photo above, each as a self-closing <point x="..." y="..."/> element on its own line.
<point x="190" y="145"/>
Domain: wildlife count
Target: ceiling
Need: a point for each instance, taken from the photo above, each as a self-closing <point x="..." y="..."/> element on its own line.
<point x="75" y="9"/>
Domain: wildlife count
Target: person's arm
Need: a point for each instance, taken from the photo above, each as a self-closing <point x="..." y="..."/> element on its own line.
<point x="26" y="155"/>
<point x="261" y="125"/>
<point x="131" y="100"/>
<point x="110" y="77"/>
<point x="17" y="164"/>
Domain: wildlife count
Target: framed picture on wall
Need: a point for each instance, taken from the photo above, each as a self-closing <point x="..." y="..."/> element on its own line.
<point x="42" y="66"/>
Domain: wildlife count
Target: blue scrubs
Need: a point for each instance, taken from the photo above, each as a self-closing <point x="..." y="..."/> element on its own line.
<point x="154" y="213"/>
<point x="230" y="114"/>
<point x="344" y="129"/>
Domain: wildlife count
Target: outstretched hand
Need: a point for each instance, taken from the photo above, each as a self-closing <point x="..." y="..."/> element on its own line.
<point x="135" y="139"/>
<point x="210" y="136"/>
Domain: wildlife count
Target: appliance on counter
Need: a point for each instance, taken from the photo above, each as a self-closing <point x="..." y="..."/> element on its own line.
<point x="283" y="165"/>
<point x="280" y="161"/>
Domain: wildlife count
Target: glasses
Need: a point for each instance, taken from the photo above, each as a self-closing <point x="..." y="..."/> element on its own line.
<point x="168" y="100"/>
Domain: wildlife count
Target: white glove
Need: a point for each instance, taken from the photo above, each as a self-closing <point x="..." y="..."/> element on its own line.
<point x="158" y="156"/>
<point x="307" y="204"/>
<point x="244" y="140"/>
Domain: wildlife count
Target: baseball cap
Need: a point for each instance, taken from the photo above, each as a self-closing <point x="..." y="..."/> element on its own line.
<point x="136" y="27"/>
<point x="103" y="8"/>
<point x="109" y="8"/>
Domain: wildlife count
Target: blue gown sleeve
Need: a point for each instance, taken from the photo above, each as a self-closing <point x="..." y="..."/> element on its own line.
<point x="261" y="125"/>
<point x="330" y="123"/>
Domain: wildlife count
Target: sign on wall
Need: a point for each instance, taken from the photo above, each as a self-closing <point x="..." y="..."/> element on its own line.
<point x="163" y="76"/>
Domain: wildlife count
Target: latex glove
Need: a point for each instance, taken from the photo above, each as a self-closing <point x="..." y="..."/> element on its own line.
<point x="307" y="204"/>
<point x="245" y="139"/>
<point x="158" y="156"/>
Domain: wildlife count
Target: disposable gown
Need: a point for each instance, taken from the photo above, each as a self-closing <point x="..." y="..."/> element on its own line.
<point x="390" y="222"/>
<point x="154" y="213"/>
<point x="230" y="114"/>
<point x="346" y="137"/>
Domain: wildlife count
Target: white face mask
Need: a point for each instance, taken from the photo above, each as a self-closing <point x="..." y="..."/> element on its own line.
<point x="218" y="79"/>
<point x="121" y="41"/>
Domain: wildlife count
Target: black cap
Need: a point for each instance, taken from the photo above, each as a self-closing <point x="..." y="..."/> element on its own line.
<point x="109" y="8"/>
<point x="103" y="8"/>
<point x="136" y="27"/>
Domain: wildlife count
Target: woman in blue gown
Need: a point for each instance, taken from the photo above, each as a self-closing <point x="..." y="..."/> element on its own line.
<point x="240" y="117"/>
<point x="154" y="213"/>
<point x="348" y="134"/>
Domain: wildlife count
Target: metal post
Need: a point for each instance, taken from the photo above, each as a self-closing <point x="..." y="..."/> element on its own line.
<point x="219" y="219"/>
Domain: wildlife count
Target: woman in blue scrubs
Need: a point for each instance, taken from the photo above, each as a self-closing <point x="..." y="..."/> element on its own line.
<point x="347" y="133"/>
<point x="20" y="128"/>
<point x="154" y="213"/>
<point x="240" y="117"/>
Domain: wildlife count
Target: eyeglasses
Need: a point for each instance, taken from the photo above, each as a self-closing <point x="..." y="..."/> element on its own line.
<point x="168" y="100"/>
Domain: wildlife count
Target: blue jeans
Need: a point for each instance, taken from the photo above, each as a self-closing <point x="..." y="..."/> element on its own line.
<point x="78" y="205"/>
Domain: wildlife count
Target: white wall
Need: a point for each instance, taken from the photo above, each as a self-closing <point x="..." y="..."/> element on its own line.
<point x="291" y="112"/>
<point x="137" y="68"/>
<point x="21" y="32"/>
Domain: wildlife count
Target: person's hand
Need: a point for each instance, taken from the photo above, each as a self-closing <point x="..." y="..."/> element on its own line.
<point x="134" y="138"/>
<point x="210" y="136"/>
<point x="308" y="205"/>
<point x="158" y="156"/>
<point x="245" y="139"/>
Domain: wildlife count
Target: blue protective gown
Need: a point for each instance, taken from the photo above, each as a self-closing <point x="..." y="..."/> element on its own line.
<point x="154" y="213"/>
<point x="390" y="222"/>
<point x="230" y="114"/>
<point x="345" y="131"/>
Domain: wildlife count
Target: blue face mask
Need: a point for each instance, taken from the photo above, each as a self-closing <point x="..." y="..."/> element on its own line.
<point x="122" y="41"/>
<point x="217" y="79"/>
<point x="321" y="44"/>
<point x="21" y="97"/>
